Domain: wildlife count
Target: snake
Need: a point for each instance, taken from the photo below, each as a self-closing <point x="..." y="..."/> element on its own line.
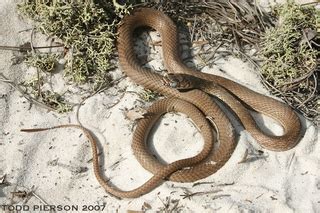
<point x="193" y="93"/>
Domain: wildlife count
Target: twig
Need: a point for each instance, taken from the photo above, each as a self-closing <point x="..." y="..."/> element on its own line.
<point x="221" y="184"/>
<point x="193" y="28"/>
<point x="202" y="183"/>
<point x="189" y="195"/>
<point x="226" y="184"/>
<point x="114" y="165"/>
<point x="39" y="198"/>
<point x="310" y="3"/>
<point x="16" y="48"/>
<point x="259" y="196"/>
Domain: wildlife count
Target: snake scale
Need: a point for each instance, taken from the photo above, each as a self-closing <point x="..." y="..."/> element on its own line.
<point x="188" y="91"/>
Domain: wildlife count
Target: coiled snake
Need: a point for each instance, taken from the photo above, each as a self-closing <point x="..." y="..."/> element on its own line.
<point x="187" y="91"/>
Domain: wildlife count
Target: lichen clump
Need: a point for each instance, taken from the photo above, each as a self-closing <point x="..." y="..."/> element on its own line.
<point x="86" y="28"/>
<point x="287" y="53"/>
<point x="290" y="53"/>
<point x="45" y="62"/>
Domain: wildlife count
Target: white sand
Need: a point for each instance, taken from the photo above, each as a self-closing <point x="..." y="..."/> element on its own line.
<point x="56" y="164"/>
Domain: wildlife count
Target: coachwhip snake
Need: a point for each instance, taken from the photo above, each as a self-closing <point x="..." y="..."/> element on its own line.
<point x="187" y="91"/>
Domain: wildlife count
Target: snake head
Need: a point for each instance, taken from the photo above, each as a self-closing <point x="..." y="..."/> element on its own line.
<point x="178" y="81"/>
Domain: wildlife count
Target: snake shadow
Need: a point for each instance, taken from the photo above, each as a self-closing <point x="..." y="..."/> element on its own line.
<point x="145" y="47"/>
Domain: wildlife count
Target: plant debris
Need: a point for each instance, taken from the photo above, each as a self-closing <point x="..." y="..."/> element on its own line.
<point x="233" y="23"/>
<point x="170" y="205"/>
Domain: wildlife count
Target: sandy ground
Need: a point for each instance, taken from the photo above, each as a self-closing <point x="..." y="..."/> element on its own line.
<point x="54" y="164"/>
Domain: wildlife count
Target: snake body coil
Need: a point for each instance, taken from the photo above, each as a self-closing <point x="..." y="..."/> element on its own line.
<point x="187" y="91"/>
<point x="231" y="93"/>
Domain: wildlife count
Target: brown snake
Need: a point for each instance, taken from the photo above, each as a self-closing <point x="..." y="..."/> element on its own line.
<point x="187" y="91"/>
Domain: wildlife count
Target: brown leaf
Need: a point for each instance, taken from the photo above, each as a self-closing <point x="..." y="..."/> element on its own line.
<point x="135" y="114"/>
<point x="146" y="206"/>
